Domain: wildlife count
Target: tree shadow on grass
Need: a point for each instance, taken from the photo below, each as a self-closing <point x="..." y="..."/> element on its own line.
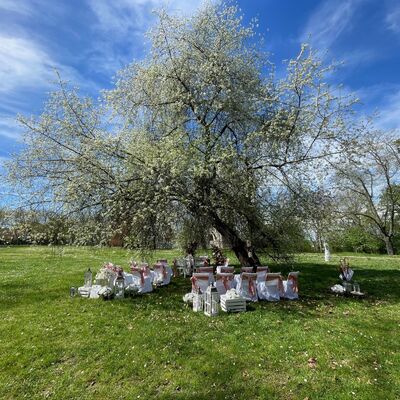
<point x="378" y="284"/>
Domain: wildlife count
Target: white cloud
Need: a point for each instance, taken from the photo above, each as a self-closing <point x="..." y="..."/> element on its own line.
<point x="328" y="22"/>
<point x="359" y="57"/>
<point x="382" y="101"/>
<point x="20" y="7"/>
<point x="389" y="114"/>
<point x="9" y="127"/>
<point x="27" y="72"/>
<point x="393" y="19"/>
<point x="135" y="16"/>
<point x="121" y="25"/>
<point x="27" y="65"/>
<point x="24" y="64"/>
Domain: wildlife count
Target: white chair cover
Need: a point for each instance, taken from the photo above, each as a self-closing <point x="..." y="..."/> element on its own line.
<point x="147" y="271"/>
<point x="207" y="270"/>
<point x="291" y="287"/>
<point x="248" y="286"/>
<point x="138" y="280"/>
<point x="224" y="282"/>
<point x="200" y="282"/>
<point x="246" y="269"/>
<point x="236" y="280"/>
<point x="162" y="274"/>
<point x="271" y="288"/>
<point x="261" y="273"/>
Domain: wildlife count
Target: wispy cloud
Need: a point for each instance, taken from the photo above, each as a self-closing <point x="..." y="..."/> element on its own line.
<point x="360" y="57"/>
<point x="330" y="20"/>
<point x="124" y="23"/>
<point x="27" y="65"/>
<point x="383" y="102"/>
<point x="135" y="15"/>
<point x="9" y="127"/>
<point x="20" y="7"/>
<point x="389" y="116"/>
<point x="24" y="64"/>
<point x="393" y="19"/>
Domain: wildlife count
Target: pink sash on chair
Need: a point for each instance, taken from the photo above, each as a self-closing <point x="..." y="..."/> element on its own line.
<point x="226" y="278"/>
<point x="141" y="272"/>
<point x="252" y="278"/>
<point x="163" y="268"/>
<point x="294" y="279"/>
<point x="199" y="277"/>
<point x="274" y="277"/>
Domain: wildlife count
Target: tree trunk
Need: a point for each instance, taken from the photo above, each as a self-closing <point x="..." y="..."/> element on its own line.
<point x="389" y="245"/>
<point x="238" y="245"/>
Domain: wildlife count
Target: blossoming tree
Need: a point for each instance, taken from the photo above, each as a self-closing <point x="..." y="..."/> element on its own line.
<point x="201" y="128"/>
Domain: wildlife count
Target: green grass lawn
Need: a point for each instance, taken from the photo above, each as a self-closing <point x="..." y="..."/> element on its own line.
<point x="153" y="346"/>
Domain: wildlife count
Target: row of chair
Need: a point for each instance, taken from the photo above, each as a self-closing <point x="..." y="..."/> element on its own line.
<point x="143" y="278"/>
<point x="262" y="285"/>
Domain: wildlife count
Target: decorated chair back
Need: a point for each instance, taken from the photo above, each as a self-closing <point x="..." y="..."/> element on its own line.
<point x="246" y="269"/>
<point x="274" y="279"/>
<point x="224" y="282"/>
<point x="293" y="280"/>
<point x="248" y="286"/>
<point x="138" y="275"/>
<point x="226" y="269"/>
<point x="160" y="272"/>
<point x="200" y="282"/>
<point x="146" y="269"/>
<point x="261" y="273"/>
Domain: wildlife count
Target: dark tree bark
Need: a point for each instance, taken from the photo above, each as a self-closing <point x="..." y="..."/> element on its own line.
<point x="389" y="245"/>
<point x="238" y="245"/>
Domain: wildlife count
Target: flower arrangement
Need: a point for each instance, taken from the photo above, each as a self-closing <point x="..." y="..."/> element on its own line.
<point x="107" y="274"/>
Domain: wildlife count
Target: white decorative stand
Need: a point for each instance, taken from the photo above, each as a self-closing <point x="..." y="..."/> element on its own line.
<point x="198" y="302"/>
<point x="231" y="303"/>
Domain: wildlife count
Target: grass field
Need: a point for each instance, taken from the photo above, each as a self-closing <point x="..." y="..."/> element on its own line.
<point x="153" y="346"/>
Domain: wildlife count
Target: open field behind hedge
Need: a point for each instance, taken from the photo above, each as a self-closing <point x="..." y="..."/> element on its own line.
<point x="153" y="346"/>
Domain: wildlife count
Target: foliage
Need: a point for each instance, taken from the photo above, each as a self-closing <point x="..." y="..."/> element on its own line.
<point x="356" y="238"/>
<point x="29" y="227"/>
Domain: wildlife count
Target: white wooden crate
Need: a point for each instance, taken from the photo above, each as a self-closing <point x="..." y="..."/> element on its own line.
<point x="233" y="305"/>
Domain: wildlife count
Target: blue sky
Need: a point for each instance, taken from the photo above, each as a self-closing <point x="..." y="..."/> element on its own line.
<point x="89" y="40"/>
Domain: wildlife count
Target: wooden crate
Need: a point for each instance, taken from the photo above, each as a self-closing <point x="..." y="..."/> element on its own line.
<point x="233" y="305"/>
